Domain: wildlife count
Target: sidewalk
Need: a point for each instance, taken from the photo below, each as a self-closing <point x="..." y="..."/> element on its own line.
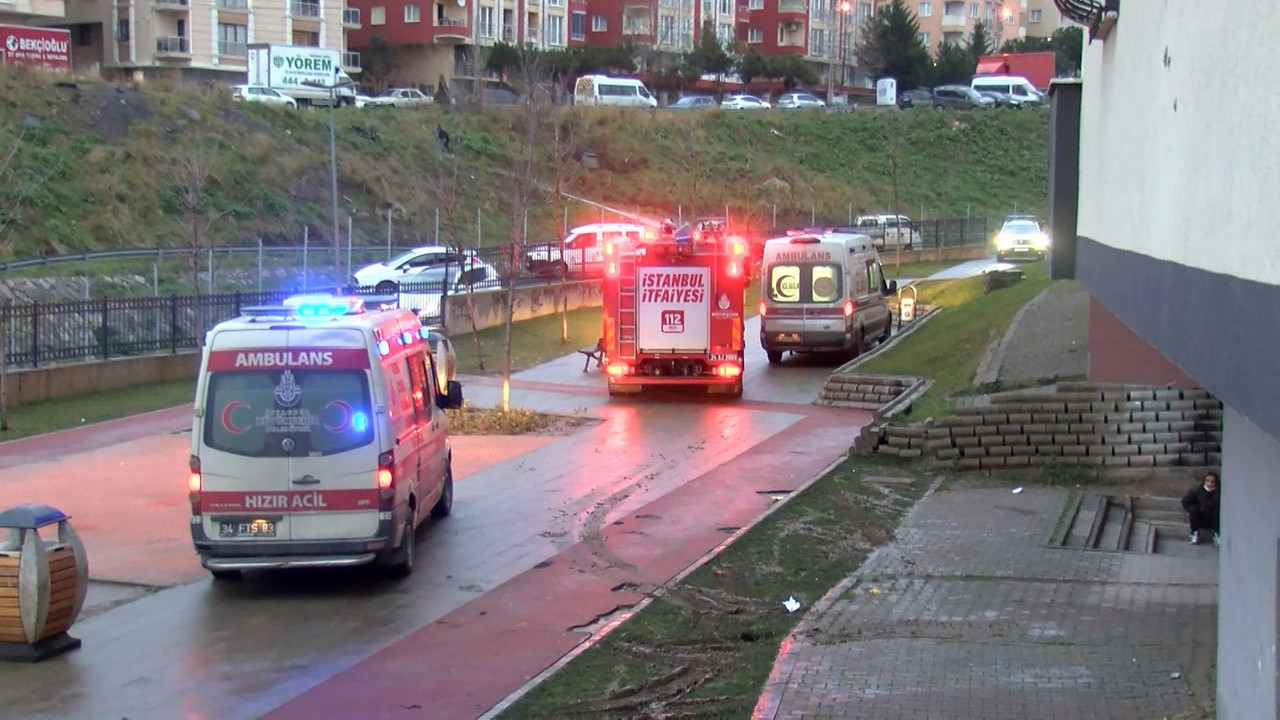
<point x="968" y="613"/>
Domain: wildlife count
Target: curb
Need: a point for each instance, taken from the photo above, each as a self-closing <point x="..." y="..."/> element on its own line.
<point x="616" y="622"/>
<point x="915" y="324"/>
<point x="989" y="370"/>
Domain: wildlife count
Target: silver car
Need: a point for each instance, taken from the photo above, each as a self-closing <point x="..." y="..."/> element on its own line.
<point x="425" y="265"/>
<point x="797" y="100"/>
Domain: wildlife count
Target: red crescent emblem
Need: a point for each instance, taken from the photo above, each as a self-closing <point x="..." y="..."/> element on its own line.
<point x="230" y="426"/>
<point x="345" y="415"/>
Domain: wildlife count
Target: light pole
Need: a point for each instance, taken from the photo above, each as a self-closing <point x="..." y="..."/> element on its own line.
<point x="333" y="170"/>
<point x="842" y="8"/>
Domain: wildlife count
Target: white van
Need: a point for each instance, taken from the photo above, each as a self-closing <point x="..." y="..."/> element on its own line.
<point x="605" y="90"/>
<point x="581" y="253"/>
<point x="889" y="231"/>
<point x="319" y="438"/>
<point x="1018" y="88"/>
<point x="822" y="293"/>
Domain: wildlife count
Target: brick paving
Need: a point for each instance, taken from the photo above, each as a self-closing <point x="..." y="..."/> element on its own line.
<point x="969" y="614"/>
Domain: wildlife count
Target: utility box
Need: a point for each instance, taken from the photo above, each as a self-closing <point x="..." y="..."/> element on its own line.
<point x="43" y="583"/>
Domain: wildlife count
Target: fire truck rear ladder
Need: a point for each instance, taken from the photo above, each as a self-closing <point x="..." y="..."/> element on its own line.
<point x="627" y="306"/>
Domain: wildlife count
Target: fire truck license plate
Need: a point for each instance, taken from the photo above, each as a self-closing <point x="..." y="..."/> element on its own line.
<point x="256" y="527"/>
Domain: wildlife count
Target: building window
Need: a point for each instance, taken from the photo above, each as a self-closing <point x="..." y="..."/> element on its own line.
<point x="377" y="15"/>
<point x="755" y="5"/>
<point x="726" y="7"/>
<point x="122" y="31"/>
<point x="555" y="3"/>
<point x="1034" y="16"/>
<point x="578" y="26"/>
<point x="555" y="29"/>
<point x="755" y="35"/>
<point x="412" y="14"/>
<point x="233" y="39"/>
<point x="686" y="32"/>
<point x="865" y="11"/>
<point x="666" y="29"/>
<point x="708" y="9"/>
<point x="666" y="3"/>
<point x="925" y="39"/>
<point x="817" y="42"/>
<point x="973" y="10"/>
<point x="926" y="9"/>
<point x="599" y="23"/>
<point x="485" y="24"/>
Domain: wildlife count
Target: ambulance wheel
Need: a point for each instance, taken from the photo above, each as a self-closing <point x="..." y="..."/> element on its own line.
<point x="402" y="559"/>
<point x="856" y="350"/>
<point x="444" y="505"/>
<point x="888" y="331"/>
<point x="386" y="286"/>
<point x="225" y="575"/>
<point x="775" y="356"/>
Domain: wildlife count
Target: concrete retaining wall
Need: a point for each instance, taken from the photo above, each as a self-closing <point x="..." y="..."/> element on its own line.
<point x="47" y="383"/>
<point x="1107" y="426"/>
<point x="530" y="302"/>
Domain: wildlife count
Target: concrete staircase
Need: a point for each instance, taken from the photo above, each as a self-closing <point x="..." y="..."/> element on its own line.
<point x="1122" y="523"/>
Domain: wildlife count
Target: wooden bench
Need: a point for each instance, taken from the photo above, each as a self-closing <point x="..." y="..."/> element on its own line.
<point x="593" y="353"/>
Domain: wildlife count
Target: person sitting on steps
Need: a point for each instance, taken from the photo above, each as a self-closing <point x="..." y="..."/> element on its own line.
<point x="1201" y="504"/>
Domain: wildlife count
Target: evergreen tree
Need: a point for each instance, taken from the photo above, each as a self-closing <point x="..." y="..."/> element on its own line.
<point x="955" y="65"/>
<point x="980" y="40"/>
<point x="891" y="47"/>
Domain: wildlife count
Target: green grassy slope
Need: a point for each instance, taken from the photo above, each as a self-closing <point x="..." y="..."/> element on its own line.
<point x="100" y="166"/>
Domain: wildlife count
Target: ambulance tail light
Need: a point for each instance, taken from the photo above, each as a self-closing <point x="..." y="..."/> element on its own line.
<point x="617" y="369"/>
<point x="195" y="481"/>
<point x="848" y="308"/>
<point x="729" y="371"/>
<point x="386" y="474"/>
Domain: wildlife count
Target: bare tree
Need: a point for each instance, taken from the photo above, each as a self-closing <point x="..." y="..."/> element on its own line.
<point x="191" y="170"/>
<point x="692" y="143"/>
<point x="528" y="127"/>
<point x="566" y="143"/>
<point x="16" y="203"/>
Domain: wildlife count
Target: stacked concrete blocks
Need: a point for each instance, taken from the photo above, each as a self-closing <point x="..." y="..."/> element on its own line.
<point x="866" y="392"/>
<point x="1105" y="426"/>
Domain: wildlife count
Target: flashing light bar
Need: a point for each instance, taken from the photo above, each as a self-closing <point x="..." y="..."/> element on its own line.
<point x="323" y="305"/>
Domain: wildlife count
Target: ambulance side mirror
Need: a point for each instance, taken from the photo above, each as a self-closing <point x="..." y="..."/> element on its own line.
<point x="893" y="287"/>
<point x="451" y="399"/>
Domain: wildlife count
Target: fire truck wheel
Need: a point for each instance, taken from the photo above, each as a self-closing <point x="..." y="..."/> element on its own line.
<point x="775" y="356"/>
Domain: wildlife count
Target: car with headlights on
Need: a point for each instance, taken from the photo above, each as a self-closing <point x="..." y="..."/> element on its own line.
<point x="1021" y="236"/>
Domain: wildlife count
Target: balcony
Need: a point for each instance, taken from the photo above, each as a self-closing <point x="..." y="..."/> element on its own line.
<point x="954" y="21"/>
<point x="452" y="30"/>
<point x="351" y="61"/>
<point x="181" y="6"/>
<point x="173" y="47"/>
<point x="236" y="6"/>
<point x="637" y="28"/>
<point x="304" y="9"/>
<point x="788" y="8"/>
<point x="351" y="17"/>
<point x="233" y="49"/>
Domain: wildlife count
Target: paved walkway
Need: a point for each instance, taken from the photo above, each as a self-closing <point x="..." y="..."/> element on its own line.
<point x="968" y="614"/>
<point x="1049" y="338"/>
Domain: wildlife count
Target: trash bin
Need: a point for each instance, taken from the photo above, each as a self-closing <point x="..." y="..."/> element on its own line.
<point x="42" y="583"/>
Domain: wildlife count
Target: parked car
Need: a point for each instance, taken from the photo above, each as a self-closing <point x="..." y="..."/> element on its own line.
<point x="362" y="100"/>
<point x="693" y="102"/>
<point x="425" y="264"/>
<point x="796" y="100"/>
<point x="889" y="231"/>
<point x="960" y="97"/>
<point x="400" y="98"/>
<point x="916" y="97"/>
<point x="744" y="102"/>
<point x="501" y="96"/>
<point x="1021" y="236"/>
<point x="581" y="253"/>
<point x="1007" y="100"/>
<point x="262" y="94"/>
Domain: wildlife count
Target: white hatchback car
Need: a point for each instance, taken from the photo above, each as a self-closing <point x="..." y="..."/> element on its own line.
<point x="744" y="102"/>
<point x="262" y="94"/>
<point x="795" y="100"/>
<point x="424" y="265"/>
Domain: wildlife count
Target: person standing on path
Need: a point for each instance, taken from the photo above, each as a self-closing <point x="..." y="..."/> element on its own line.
<point x="1201" y="504"/>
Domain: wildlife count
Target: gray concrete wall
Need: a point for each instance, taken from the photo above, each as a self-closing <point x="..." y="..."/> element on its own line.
<point x="48" y="383"/>
<point x="530" y="302"/>
<point x="1248" y="558"/>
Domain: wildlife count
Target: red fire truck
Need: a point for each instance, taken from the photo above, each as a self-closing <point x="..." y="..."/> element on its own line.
<point x="673" y="310"/>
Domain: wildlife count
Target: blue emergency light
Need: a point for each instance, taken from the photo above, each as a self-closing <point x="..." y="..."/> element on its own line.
<point x="323" y="305"/>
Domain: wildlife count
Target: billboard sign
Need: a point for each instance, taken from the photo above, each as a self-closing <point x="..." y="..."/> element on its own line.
<point x="48" y="48"/>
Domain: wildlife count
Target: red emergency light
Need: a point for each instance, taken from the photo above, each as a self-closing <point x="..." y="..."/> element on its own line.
<point x="729" y="371"/>
<point x="617" y="369"/>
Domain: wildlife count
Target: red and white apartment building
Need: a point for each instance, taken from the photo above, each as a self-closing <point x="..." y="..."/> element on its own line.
<point x="439" y="39"/>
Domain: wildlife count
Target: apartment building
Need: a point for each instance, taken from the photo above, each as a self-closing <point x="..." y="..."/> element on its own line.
<point x="1162" y="144"/>
<point x="952" y="21"/>
<point x="197" y="39"/>
<point x="1042" y="18"/>
<point x="32" y="12"/>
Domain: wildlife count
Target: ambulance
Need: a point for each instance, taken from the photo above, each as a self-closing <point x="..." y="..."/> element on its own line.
<point x="319" y="437"/>
<point x="822" y="292"/>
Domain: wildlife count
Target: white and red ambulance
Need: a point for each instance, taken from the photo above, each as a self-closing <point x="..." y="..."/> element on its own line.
<point x="319" y="437"/>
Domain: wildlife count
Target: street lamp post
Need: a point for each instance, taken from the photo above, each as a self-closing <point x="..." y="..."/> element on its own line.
<point x="843" y="7"/>
<point x="333" y="172"/>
